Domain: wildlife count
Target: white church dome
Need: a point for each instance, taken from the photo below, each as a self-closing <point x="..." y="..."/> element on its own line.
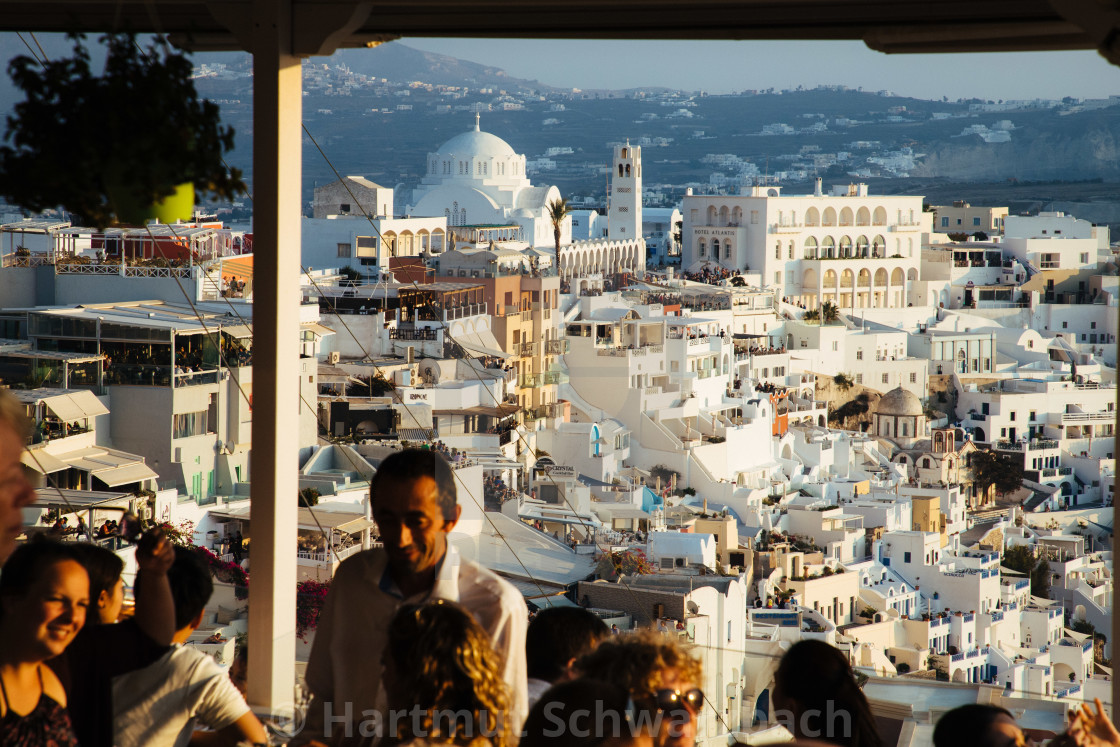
<point x="476" y="144"/>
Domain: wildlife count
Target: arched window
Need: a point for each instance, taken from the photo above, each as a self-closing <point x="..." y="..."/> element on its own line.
<point x="702" y="249"/>
<point x="715" y="248"/>
<point x="627" y="169"/>
<point x="620" y="169"/>
<point x="925" y="463"/>
<point x="811" y="248"/>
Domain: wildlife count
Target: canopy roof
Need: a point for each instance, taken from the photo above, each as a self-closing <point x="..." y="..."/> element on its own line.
<point x="320" y="28"/>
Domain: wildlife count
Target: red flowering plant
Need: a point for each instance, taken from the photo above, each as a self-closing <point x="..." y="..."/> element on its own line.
<point x="225" y="572"/>
<point x="310" y="596"/>
<point x="181" y="534"/>
<point x="631" y="562"/>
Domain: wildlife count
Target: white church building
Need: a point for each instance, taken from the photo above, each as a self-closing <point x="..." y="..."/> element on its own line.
<point x="478" y="183"/>
<point x="476" y="179"/>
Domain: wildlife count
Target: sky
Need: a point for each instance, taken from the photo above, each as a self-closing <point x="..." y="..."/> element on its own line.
<point x="723" y="67"/>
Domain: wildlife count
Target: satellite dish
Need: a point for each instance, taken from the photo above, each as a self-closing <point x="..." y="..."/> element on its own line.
<point x="429" y="372"/>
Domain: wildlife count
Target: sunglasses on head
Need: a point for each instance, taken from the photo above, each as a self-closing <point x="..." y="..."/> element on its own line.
<point x="674" y="700"/>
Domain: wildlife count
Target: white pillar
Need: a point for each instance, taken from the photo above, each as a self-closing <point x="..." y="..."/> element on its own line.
<point x="277" y="166"/>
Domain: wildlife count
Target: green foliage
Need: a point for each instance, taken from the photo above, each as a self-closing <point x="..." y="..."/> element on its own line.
<point x="1083" y="626"/>
<point x="349" y="273"/>
<point x="1022" y="558"/>
<point x="89" y="143"/>
<point x="558" y="210"/>
<point x="812" y="315"/>
<point x="992" y="468"/>
<point x="868" y="612"/>
<point x="308" y="497"/>
<point x="843" y="381"/>
<point x="663" y="472"/>
<point x="830" y="312"/>
<point x="375" y="386"/>
<point x="958" y="236"/>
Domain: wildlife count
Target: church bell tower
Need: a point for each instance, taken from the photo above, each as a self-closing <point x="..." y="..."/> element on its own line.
<point x="624" y="214"/>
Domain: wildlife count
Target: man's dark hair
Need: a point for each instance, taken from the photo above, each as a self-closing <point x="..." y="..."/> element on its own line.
<point x="104" y="568"/>
<point x="583" y="713"/>
<point x="970" y="724"/>
<point x="191" y="586"/>
<point x="559" y="634"/>
<point x="409" y="465"/>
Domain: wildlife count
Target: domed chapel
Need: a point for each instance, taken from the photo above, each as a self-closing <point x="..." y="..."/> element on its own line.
<point x="476" y="179"/>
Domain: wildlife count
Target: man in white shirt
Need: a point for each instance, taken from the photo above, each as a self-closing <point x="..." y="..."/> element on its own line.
<point x="164" y="702"/>
<point x="414" y="503"/>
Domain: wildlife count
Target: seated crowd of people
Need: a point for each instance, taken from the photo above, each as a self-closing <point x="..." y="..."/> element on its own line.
<point x="416" y="645"/>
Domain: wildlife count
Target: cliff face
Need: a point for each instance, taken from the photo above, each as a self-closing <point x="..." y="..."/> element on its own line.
<point x="1090" y="154"/>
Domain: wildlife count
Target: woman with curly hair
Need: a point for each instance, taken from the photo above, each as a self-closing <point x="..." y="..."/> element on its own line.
<point x="443" y="679"/>
<point x="661" y="677"/>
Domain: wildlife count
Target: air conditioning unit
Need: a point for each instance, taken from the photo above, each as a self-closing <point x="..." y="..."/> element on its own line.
<point x="334" y="357"/>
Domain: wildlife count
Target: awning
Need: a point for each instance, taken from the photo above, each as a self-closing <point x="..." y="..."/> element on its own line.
<point x="482" y="343"/>
<point x="129" y="473"/>
<point x="78" y="405"/>
<point x="306" y="519"/>
<point x="317" y="328"/>
<point x="414" y="416"/>
<point x="238" y="330"/>
<point x="415" y="434"/>
<point x="352" y="527"/>
<point x="42" y="462"/>
<point x="621" y="512"/>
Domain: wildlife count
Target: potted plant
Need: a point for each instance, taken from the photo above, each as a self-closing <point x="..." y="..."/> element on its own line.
<point x="110" y="147"/>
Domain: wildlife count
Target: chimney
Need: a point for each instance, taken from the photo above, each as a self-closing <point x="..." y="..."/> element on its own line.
<point x="817" y="188"/>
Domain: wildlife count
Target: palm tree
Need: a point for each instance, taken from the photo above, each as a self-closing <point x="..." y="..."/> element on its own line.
<point x="812" y="315"/>
<point x="558" y="210"/>
<point x="829" y="312"/>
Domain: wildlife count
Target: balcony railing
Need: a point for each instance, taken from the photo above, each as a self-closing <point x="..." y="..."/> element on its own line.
<point x="531" y="381"/>
<point x="410" y="333"/>
<point x="554" y="378"/>
<point x="542" y="411"/>
<point x="1035" y="445"/>
<point x="557" y="347"/>
<point x="527" y="349"/>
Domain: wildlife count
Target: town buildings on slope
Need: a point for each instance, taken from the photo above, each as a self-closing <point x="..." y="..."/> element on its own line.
<point x="834" y="420"/>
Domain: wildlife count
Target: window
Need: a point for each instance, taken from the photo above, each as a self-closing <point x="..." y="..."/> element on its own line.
<point x="859" y="355"/>
<point x="1011" y="416"/>
<point x="1065" y="325"/>
<point x="905" y="557"/>
<point x="859" y="378"/>
<point x="1032" y="416"/>
<point x="975" y="221"/>
<point x="778" y="250"/>
<point x="944" y="222"/>
<point x="344" y="250"/>
<point x="913" y="378"/>
<point x="886" y="378"/>
<point x="778" y="278"/>
<point x="1084" y="258"/>
<point x="754" y="217"/>
<point x="1092" y="325"/>
<point x="835" y="345"/>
